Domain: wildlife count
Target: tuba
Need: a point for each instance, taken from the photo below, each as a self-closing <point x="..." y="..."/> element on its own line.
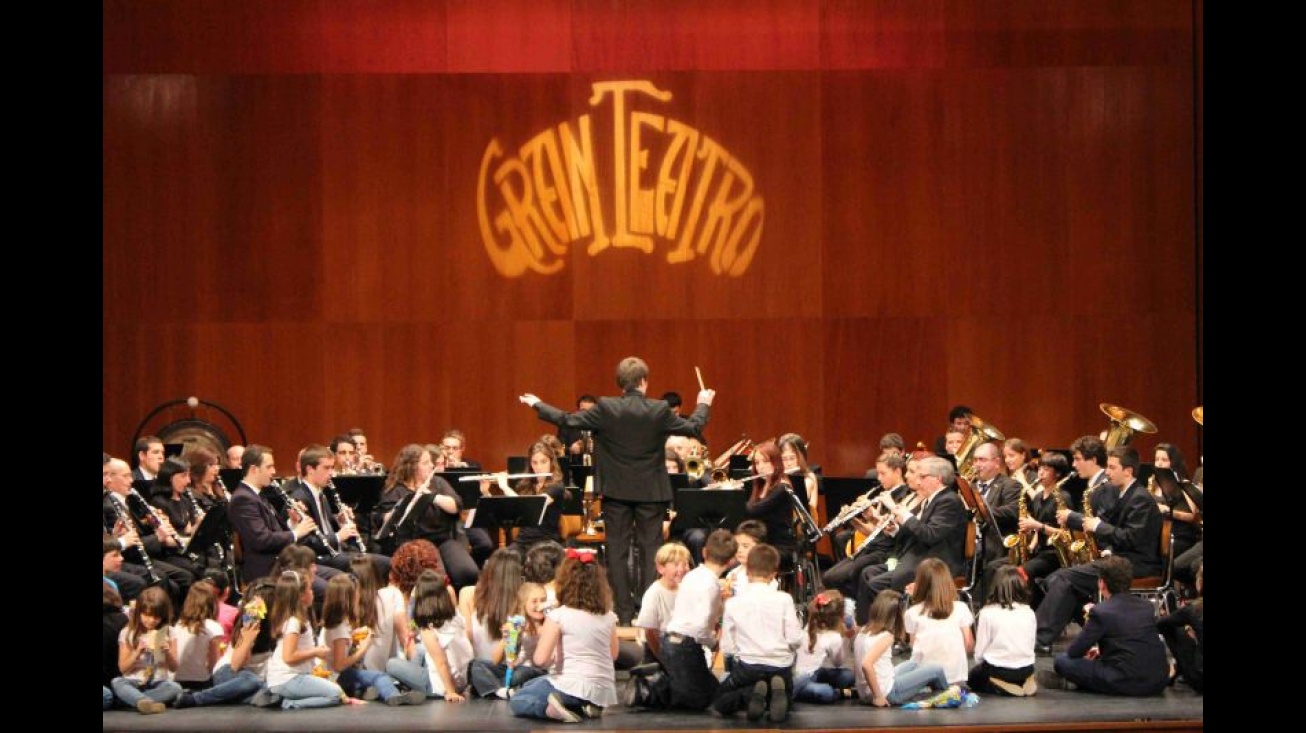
<point x="1124" y="423"/>
<point x="981" y="432"/>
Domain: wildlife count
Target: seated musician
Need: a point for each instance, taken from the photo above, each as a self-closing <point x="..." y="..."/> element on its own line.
<point x="1000" y="493"/>
<point x="793" y="457"/>
<point x="337" y="544"/>
<point x="1039" y="526"/>
<point x="936" y="527"/>
<point x="456" y="443"/>
<point x="953" y="440"/>
<point x="769" y="501"/>
<point x="844" y="574"/>
<point x="168" y="495"/>
<point x="204" y="478"/>
<point x="1131" y="528"/>
<point x="573" y="438"/>
<point x="126" y="520"/>
<point x="346" y="453"/>
<point x="958" y="422"/>
<point x="1018" y="458"/>
<point x="149" y="458"/>
<point x="544" y="460"/>
<point x="411" y="477"/>
<point x="1183" y="506"/>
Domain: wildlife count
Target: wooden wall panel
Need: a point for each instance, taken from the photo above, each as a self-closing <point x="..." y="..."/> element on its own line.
<point x="990" y="203"/>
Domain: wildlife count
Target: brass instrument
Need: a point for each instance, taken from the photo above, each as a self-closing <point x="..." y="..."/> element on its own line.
<point x="695" y="465"/>
<point x="1085" y="548"/>
<point x="1197" y="414"/>
<point x="981" y="432"/>
<point x="1124" y="423"/>
<point x="743" y="447"/>
<point x="1060" y="540"/>
<point x="1018" y="544"/>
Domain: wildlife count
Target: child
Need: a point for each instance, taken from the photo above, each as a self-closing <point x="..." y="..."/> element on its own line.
<point x="1004" y="638"/>
<point x="349" y="644"/>
<point x="541" y="566"/>
<point x="820" y="674"/>
<point x="239" y="674"/>
<point x="111" y="563"/>
<point x="879" y="683"/>
<point x="688" y="682"/>
<point x="749" y="534"/>
<point x="290" y="670"/>
<point x="581" y="636"/>
<point x="672" y="562"/>
<point x="938" y="624"/>
<point x="227" y="613"/>
<point x="197" y="636"/>
<point x="381" y="609"/>
<point x="147" y="655"/>
<point x="436" y="661"/>
<point x="492" y="600"/>
<point x="760" y="626"/>
<point x="488" y="675"/>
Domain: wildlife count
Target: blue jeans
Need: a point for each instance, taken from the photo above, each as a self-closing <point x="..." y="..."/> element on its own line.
<point x="911" y="678"/>
<point x="533" y="699"/>
<point x="413" y="674"/>
<point x="823" y="684"/>
<point x="229" y="686"/>
<point x="108" y="698"/>
<point x="355" y="680"/>
<point x="307" y="691"/>
<point x="131" y="692"/>
<point x="487" y="677"/>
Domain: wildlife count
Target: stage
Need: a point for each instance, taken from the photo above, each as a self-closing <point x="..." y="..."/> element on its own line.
<point x="1178" y="709"/>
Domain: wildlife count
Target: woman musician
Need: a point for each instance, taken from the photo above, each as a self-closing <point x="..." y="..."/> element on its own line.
<point x="1020" y="462"/>
<point x="543" y="459"/>
<point x="204" y="478"/>
<point x="769" y="500"/>
<point x="1183" y="506"/>
<point x="793" y="455"/>
<point x="1038" y="525"/>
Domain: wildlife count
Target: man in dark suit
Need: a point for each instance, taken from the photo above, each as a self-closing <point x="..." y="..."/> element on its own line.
<point x="1130" y="528"/>
<point x="315" y="469"/>
<point x="936" y="528"/>
<point x="1119" y="652"/>
<point x="630" y="434"/>
<point x="262" y="535"/>
<point x="124" y="520"/>
<point x="149" y="458"/>
<point x="1001" y="494"/>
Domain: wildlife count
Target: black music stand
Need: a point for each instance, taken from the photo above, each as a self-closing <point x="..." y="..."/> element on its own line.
<point x="362" y="492"/>
<point x="231" y="477"/>
<point x="507" y="512"/>
<point x="468" y="491"/>
<point x="402" y="518"/>
<point x="709" y="509"/>
<point x="739" y="463"/>
<point x="519" y="464"/>
<point x="215" y="528"/>
<point x="840" y="491"/>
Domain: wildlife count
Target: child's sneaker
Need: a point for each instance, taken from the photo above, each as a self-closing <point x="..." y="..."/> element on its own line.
<point x="149" y="707"/>
<point x="591" y="711"/>
<point x="557" y="711"/>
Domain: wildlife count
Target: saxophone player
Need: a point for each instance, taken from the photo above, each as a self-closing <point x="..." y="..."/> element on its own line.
<point x="1130" y="527"/>
<point x="1039" y="527"/>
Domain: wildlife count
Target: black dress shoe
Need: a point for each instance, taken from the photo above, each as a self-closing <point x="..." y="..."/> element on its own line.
<point x="1043" y="650"/>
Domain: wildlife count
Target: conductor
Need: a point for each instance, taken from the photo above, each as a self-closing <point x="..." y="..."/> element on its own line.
<point x="630" y="434"/>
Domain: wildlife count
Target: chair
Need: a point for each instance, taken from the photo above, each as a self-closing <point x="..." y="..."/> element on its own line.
<point x="966" y="583"/>
<point x="1159" y="589"/>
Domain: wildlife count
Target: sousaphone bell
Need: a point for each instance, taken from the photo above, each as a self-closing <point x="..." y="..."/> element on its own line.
<point x="1124" y="423"/>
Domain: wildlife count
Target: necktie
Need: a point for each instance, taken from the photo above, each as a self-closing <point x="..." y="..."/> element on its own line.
<point x="325" y="512"/>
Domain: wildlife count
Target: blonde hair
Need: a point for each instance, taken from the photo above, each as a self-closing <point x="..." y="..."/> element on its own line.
<point x="671" y="552"/>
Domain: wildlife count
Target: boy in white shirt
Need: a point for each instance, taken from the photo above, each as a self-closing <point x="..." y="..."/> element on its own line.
<point x="672" y="562"/>
<point x="688" y="682"/>
<point x="760" y="627"/>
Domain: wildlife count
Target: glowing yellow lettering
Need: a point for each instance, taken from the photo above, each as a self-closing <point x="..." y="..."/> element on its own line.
<point x="623" y="237"/>
<point x="583" y="177"/>
<point x="668" y="221"/>
<point x="541" y="154"/>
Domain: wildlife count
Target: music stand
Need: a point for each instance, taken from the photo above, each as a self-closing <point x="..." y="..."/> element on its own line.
<point x="213" y="530"/>
<point x="1146" y="470"/>
<point x="975" y="500"/>
<point x="740" y="463"/>
<point x="519" y="464"/>
<point x="709" y="509"/>
<point x="509" y="511"/>
<point x="468" y="491"/>
<point x="362" y="492"/>
<point x="401" y="517"/>
<point x="840" y="491"/>
<point x="231" y="477"/>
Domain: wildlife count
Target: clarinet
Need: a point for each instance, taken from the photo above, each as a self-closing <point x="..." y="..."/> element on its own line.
<point x="290" y="504"/>
<point x="158" y="520"/>
<point x="195" y="504"/>
<point x="219" y="484"/>
<point x="337" y="507"/>
<point x="125" y="517"/>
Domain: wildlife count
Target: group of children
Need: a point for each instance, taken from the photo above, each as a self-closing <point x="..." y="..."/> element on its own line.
<point x="540" y="632"/>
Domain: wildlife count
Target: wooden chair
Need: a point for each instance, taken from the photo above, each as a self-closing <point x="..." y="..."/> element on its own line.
<point x="1159" y="589"/>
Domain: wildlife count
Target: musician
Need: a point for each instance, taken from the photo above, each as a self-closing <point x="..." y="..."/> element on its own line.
<point x="673" y="401"/>
<point x="543" y="460"/>
<point x="571" y="437"/>
<point x="204" y="478"/>
<point x="254" y="518"/>
<point x="366" y="463"/>
<point x="953" y="440"/>
<point x="1131" y="528"/>
<point x="793" y="456"/>
<point x="167" y="494"/>
<point x="346" y="453"/>
<point x="844" y="574"/>
<point x="1000" y="493"/>
<point x="769" y="498"/>
<point x="411" y="477"/>
<point x="1018" y="459"/>
<point x="958" y="421"/>
<point x="149" y="457"/>
<point x="455" y="443"/>
<point x="1089" y="454"/>
<point x="1184" y="506"/>
<point x="234" y="454"/>
<point x="316" y="466"/>
<point x="630" y="435"/>
<point x="935" y="528"/>
<point x="1041" y="505"/>
<point x="137" y="535"/>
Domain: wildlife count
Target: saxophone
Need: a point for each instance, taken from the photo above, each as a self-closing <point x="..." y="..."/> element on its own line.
<point x="1085" y="549"/>
<point x="1017" y="544"/>
<point x="1060" y="540"/>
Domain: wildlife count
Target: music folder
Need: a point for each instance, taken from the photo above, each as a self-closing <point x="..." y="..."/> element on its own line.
<point x="509" y="511"/>
<point x="402" y="517"/>
<point x="362" y="492"/>
<point x="231" y="477"/>
<point x="709" y="509"/>
<point x="215" y="527"/>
